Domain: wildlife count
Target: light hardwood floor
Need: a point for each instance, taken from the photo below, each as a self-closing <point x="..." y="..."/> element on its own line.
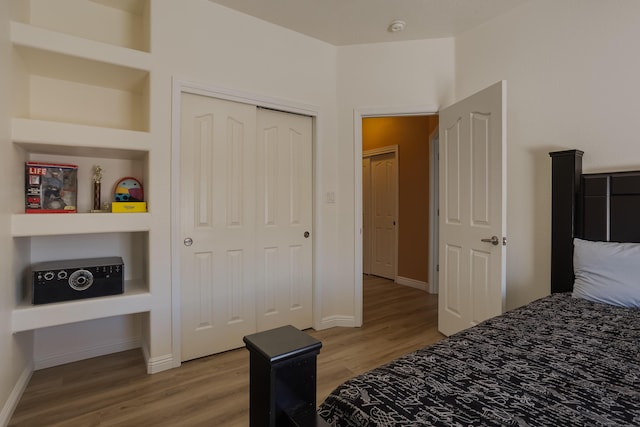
<point x="115" y="390"/>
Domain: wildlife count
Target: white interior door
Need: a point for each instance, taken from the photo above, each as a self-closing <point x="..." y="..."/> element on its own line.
<point x="472" y="210"/>
<point x="384" y="196"/>
<point x="283" y="228"/>
<point x="366" y="215"/>
<point x="217" y="199"/>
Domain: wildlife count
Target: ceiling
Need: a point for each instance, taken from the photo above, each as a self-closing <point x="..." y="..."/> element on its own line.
<point x="344" y="22"/>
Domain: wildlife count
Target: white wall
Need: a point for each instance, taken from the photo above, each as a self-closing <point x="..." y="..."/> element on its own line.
<point x="400" y="75"/>
<point x="572" y="70"/>
<point x="15" y="350"/>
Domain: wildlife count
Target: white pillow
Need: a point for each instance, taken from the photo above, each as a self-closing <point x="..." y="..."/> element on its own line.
<point x="607" y="272"/>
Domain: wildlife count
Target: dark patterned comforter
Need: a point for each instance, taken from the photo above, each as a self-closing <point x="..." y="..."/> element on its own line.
<point x="559" y="361"/>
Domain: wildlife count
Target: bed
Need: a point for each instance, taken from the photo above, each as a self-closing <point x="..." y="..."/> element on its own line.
<point x="569" y="359"/>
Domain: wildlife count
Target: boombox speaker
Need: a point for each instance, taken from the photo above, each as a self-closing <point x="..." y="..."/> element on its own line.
<point x="56" y="281"/>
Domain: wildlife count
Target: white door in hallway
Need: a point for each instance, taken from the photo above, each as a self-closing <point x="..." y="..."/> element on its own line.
<point x="223" y="199"/>
<point x="283" y="228"/>
<point x="366" y="215"/>
<point x="472" y="210"/>
<point x="384" y="204"/>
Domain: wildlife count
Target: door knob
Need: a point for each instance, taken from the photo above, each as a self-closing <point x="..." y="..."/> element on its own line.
<point x="306" y="234"/>
<point x="188" y="241"/>
<point x="493" y="240"/>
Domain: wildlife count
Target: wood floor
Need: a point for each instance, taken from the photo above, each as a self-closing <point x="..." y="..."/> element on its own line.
<point x="115" y="390"/>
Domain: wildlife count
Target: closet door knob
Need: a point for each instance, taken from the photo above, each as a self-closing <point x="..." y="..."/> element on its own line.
<point x="188" y="241"/>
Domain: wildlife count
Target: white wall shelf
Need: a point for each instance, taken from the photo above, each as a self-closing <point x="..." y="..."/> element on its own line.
<point x="42" y="40"/>
<point x="136" y="299"/>
<point x="27" y="225"/>
<point x="70" y="139"/>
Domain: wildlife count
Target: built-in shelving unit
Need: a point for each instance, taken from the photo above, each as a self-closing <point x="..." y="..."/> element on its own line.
<point x="81" y="96"/>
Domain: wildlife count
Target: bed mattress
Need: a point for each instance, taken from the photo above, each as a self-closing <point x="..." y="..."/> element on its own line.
<point x="558" y="361"/>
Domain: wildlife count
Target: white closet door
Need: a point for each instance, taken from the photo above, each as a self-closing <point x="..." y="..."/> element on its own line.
<point x="217" y="197"/>
<point x="246" y="216"/>
<point x="284" y="238"/>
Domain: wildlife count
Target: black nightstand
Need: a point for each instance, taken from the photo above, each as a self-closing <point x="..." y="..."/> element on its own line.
<point x="283" y="378"/>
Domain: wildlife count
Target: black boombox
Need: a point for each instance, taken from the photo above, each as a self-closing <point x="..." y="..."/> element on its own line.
<point x="55" y="281"/>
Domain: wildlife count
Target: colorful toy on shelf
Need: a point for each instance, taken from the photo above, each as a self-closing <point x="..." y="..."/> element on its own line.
<point x="128" y="196"/>
<point x="129" y="190"/>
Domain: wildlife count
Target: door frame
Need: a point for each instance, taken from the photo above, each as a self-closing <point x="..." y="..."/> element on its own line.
<point x="389" y="149"/>
<point x="182" y="85"/>
<point x="359" y="114"/>
<point x="434" y="211"/>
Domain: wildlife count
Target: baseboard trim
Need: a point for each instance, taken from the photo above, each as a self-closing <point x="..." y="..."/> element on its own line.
<point x="333" y="321"/>
<point x="423" y="286"/>
<point x="15" y="395"/>
<point x="88" y="353"/>
<point x="159" y="364"/>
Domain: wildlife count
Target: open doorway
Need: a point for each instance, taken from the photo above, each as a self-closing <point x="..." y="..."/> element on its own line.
<point x="397" y="219"/>
<point x="412" y="134"/>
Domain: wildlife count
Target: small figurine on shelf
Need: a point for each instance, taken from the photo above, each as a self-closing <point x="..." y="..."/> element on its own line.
<point x="97" y="189"/>
<point x="53" y="192"/>
<point x="128" y="196"/>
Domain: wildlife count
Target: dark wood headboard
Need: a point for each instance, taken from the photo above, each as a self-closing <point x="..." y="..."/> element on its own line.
<point x="599" y="207"/>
